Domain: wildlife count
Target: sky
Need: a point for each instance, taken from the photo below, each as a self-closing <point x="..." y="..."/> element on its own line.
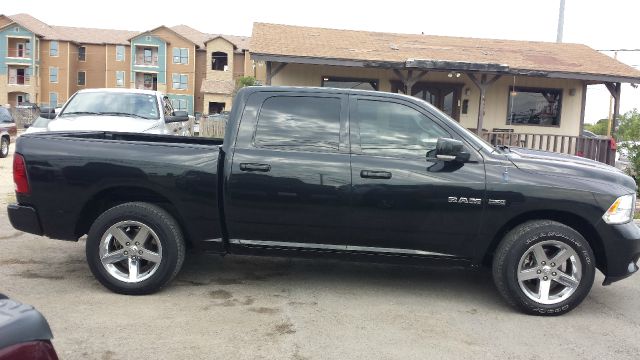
<point x="611" y="24"/>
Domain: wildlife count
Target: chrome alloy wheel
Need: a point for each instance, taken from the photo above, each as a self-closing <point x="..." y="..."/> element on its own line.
<point x="4" y="147"/>
<point x="130" y="251"/>
<point x="549" y="272"/>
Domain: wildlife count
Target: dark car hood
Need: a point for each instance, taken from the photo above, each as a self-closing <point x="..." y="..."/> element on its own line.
<point x="556" y="164"/>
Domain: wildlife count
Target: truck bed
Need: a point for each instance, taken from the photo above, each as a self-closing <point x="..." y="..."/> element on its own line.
<point x="76" y="176"/>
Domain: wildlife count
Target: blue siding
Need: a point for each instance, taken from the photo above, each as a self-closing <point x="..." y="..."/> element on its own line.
<point x="161" y="68"/>
<point x="4" y="48"/>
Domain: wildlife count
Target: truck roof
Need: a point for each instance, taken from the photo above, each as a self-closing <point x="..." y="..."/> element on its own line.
<point x="114" y="90"/>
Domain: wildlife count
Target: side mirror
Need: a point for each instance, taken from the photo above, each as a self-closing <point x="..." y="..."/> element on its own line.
<point x="26" y="126"/>
<point x="48" y="112"/>
<point x="177" y="116"/>
<point x="451" y="150"/>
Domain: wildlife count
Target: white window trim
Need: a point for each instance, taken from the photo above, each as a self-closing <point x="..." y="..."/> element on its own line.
<point x="123" y="52"/>
<point x="173" y="59"/>
<point x="57" y="48"/>
<point x="85" y="78"/>
<point x="57" y="74"/>
<point x="186" y="84"/>
<point x="85" y="53"/>
<point x="123" y="78"/>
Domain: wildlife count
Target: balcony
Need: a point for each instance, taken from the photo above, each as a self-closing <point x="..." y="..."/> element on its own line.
<point x="19" y="53"/>
<point x="146" y="60"/>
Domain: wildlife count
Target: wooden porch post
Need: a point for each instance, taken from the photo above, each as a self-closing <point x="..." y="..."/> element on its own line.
<point x="409" y="80"/>
<point x="482" y="85"/>
<point x="615" y="90"/>
<point x="273" y="72"/>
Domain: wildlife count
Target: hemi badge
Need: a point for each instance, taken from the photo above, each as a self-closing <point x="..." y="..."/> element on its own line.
<point x="497" y="202"/>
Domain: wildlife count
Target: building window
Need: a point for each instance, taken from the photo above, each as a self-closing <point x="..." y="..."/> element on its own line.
<point x="119" y="52"/>
<point x="179" y="104"/>
<point x="148" y="55"/>
<point x="53" y="99"/>
<point x="300" y="123"/>
<point x="219" y="61"/>
<point x="82" y="75"/>
<point x="180" y="55"/>
<point x="180" y="81"/>
<point x="119" y="78"/>
<point x="53" y="74"/>
<point x="534" y="106"/>
<point x="349" y="83"/>
<point x="53" y="48"/>
<point x="82" y="53"/>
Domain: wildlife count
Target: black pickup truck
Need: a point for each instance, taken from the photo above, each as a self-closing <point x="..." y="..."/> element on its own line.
<point x="331" y="172"/>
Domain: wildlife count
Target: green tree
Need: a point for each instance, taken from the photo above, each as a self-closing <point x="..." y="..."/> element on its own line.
<point x="629" y="141"/>
<point x="599" y="128"/>
<point x="246" y="81"/>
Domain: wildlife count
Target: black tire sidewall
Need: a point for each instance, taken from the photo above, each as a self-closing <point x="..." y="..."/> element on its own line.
<point x="537" y="235"/>
<point x="146" y="214"/>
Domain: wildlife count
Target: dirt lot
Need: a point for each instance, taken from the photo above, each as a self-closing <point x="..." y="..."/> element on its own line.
<point x="272" y="308"/>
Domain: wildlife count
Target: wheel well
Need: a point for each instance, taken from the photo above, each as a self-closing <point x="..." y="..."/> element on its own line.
<point x="109" y="198"/>
<point x="573" y="221"/>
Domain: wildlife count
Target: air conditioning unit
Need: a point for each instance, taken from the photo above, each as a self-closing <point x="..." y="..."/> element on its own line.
<point x="226" y="68"/>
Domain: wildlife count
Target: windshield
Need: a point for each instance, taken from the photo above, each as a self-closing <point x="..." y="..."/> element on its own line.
<point x="113" y="103"/>
<point x="40" y="122"/>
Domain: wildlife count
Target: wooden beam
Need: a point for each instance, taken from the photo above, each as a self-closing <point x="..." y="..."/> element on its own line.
<point x="582" y="108"/>
<point x="268" y="65"/>
<point x="615" y="89"/>
<point x="409" y="80"/>
<point x="482" y="84"/>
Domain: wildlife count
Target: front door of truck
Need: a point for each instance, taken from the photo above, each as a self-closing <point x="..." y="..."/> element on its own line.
<point x="290" y="174"/>
<point x="402" y="199"/>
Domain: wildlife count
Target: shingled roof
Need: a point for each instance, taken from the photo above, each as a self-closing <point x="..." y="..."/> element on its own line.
<point x="287" y="43"/>
<point x="73" y="34"/>
<point x="200" y="38"/>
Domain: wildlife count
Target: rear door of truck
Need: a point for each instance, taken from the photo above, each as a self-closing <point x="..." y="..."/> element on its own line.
<point x="290" y="177"/>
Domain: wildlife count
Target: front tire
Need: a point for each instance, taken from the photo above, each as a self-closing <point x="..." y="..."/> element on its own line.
<point x="543" y="267"/>
<point x="135" y="248"/>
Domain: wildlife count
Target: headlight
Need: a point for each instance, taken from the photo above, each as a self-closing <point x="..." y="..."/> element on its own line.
<point x="621" y="211"/>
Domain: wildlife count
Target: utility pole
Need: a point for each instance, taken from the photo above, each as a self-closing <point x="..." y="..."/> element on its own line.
<point x="560" y="22"/>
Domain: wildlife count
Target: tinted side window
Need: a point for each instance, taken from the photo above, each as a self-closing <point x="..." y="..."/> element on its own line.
<point x="300" y="123"/>
<point x="392" y="129"/>
<point x="5" y="116"/>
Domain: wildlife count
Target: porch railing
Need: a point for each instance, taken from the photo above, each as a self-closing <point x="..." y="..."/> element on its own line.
<point x="598" y="149"/>
<point x="19" y="79"/>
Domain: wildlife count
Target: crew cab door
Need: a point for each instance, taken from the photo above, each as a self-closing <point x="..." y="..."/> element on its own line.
<point x="290" y="174"/>
<point x="401" y="198"/>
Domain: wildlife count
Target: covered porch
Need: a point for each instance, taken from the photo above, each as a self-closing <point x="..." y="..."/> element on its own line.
<point x="516" y="93"/>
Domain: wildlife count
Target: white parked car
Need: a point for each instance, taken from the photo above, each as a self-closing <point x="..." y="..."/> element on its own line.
<point x="622" y="155"/>
<point x="123" y="110"/>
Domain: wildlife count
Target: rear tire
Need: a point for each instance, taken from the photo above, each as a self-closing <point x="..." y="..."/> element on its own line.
<point x="135" y="248"/>
<point x="543" y="267"/>
<point x="4" y="147"/>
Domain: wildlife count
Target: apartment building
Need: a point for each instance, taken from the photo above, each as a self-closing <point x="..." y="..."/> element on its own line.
<point x="46" y="64"/>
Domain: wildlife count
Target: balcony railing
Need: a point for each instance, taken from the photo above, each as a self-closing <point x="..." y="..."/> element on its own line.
<point x="146" y="60"/>
<point x="19" y="53"/>
<point x="598" y="149"/>
<point x="19" y="80"/>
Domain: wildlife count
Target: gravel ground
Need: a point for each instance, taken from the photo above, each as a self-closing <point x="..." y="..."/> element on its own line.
<point x="273" y="308"/>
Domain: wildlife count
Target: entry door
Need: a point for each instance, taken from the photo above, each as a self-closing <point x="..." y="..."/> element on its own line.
<point x="445" y="97"/>
<point x="400" y="191"/>
<point x="290" y="174"/>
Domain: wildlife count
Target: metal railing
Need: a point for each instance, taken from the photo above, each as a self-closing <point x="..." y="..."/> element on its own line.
<point x="598" y="149"/>
<point x="19" y="79"/>
<point x="19" y="53"/>
<point x="146" y="60"/>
